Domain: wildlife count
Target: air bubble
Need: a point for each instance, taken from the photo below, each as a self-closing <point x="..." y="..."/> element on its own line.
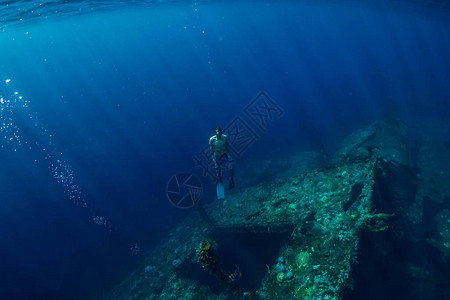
<point x="62" y="172"/>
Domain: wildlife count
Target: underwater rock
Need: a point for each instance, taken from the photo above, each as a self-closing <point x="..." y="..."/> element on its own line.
<point x="289" y="275"/>
<point x="279" y="267"/>
<point x="148" y="269"/>
<point x="176" y="262"/>
<point x="302" y="259"/>
<point x="280" y="277"/>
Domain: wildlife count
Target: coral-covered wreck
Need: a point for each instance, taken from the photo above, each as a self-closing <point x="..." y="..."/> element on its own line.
<point x="331" y="227"/>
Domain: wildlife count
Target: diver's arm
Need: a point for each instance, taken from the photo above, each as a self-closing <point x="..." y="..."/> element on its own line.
<point x="211" y="146"/>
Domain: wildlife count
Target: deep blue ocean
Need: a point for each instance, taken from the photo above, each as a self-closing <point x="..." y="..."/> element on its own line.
<point x="103" y="102"/>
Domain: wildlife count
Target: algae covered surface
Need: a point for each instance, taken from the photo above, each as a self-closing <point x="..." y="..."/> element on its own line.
<point x="321" y="212"/>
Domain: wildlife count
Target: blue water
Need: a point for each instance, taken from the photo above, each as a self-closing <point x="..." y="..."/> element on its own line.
<point x="113" y="99"/>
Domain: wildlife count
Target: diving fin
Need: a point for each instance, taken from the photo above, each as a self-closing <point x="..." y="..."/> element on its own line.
<point x="220" y="190"/>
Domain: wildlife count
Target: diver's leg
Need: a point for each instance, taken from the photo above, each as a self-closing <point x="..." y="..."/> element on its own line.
<point x="219" y="174"/>
<point x="217" y="167"/>
<point x="231" y="178"/>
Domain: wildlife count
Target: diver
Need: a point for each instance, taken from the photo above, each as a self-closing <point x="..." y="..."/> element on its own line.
<point x="208" y="261"/>
<point x="207" y="258"/>
<point x="220" y="151"/>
